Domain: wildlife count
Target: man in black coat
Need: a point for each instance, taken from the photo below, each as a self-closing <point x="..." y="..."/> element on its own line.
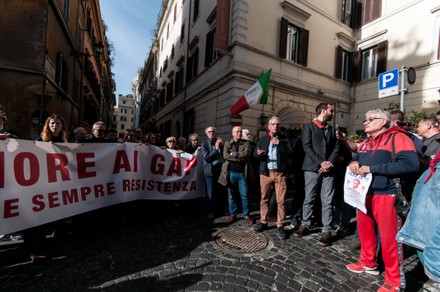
<point x="321" y="150"/>
<point x="273" y="151"/>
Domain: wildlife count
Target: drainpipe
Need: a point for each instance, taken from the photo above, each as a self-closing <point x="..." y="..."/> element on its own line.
<point x="186" y="65"/>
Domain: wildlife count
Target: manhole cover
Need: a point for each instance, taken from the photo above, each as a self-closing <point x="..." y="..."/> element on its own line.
<point x="241" y="240"/>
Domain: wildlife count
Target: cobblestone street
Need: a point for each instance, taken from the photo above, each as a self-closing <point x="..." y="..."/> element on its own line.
<point x="173" y="248"/>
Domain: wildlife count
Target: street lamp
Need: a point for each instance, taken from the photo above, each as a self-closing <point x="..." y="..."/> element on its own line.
<point x="98" y="48"/>
<point x="263" y="119"/>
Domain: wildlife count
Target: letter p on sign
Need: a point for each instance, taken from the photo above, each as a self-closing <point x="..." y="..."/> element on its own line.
<point x="388" y="83"/>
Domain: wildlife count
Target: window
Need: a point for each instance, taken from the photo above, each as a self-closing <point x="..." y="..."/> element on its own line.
<point x="188" y="122"/>
<point x="66" y="9"/>
<point x="162" y="98"/>
<point x="210" y="53"/>
<point x="196" y="9"/>
<point x="62" y="70"/>
<point x="343" y="64"/>
<point x="170" y="87"/>
<point x="182" y="33"/>
<point x="346" y="11"/>
<point x="193" y="63"/>
<point x="294" y="42"/>
<point x="438" y="46"/>
<point x="370" y="62"/>
<point x="178" y="84"/>
<point x="371" y="10"/>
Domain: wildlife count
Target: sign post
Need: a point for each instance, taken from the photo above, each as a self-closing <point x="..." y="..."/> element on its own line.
<point x="388" y="83"/>
<point x="402" y="87"/>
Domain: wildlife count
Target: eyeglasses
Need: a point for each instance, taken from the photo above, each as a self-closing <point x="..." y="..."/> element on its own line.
<point x="370" y="120"/>
<point x="171" y="142"/>
<point x="274" y="124"/>
<point x="210" y="131"/>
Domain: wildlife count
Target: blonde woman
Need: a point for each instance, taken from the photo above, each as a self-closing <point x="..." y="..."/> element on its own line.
<point x="54" y="130"/>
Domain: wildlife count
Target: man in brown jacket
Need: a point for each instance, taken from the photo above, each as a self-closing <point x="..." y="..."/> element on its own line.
<point x="233" y="175"/>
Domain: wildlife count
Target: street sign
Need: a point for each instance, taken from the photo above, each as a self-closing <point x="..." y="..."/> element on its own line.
<point x="388" y="83"/>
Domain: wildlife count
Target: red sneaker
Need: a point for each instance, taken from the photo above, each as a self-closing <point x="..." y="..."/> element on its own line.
<point x="358" y="268"/>
<point x="230" y="220"/>
<point x="249" y="220"/>
<point x="387" y="286"/>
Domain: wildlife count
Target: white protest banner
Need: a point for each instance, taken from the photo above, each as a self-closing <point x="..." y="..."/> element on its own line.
<point x="356" y="188"/>
<point x="41" y="182"/>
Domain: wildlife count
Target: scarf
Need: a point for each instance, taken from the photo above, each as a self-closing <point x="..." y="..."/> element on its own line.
<point x="432" y="165"/>
<point x="319" y="125"/>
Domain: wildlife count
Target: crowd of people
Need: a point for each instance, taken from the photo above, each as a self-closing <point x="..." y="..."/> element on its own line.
<point x="313" y="164"/>
<point x="389" y="151"/>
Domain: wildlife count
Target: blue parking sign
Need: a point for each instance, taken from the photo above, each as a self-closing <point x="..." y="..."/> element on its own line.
<point x="388" y="83"/>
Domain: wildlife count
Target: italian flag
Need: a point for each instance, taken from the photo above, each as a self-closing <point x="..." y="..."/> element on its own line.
<point x="257" y="94"/>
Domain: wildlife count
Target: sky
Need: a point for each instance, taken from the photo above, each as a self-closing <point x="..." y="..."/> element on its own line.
<point x="130" y="27"/>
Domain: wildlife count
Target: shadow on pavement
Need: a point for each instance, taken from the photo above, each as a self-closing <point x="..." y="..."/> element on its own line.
<point x="102" y="253"/>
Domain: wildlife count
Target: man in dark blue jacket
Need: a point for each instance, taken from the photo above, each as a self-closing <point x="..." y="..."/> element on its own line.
<point x="321" y="150"/>
<point x="272" y="151"/>
<point x="212" y="150"/>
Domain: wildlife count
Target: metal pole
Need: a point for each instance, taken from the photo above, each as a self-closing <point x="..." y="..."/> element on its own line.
<point x="402" y="87"/>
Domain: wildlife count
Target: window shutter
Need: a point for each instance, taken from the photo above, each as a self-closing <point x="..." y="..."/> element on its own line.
<point x="338" y="65"/>
<point x="195" y="63"/>
<point x="357" y="22"/>
<point x="377" y="9"/>
<point x="350" y="67"/>
<point x="366" y="12"/>
<point x="438" y="47"/>
<point x="382" y="53"/>
<point x="209" y="51"/>
<point x="65" y="77"/>
<point x="59" y="69"/>
<point x="303" y="47"/>
<point x="283" y="38"/>
<point x="357" y="66"/>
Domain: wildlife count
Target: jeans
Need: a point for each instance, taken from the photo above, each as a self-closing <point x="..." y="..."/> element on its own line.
<point x="237" y="179"/>
<point x="213" y="191"/>
<point x="315" y="182"/>
<point x="422" y="226"/>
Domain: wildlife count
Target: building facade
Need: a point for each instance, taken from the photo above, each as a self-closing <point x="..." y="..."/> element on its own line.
<point x="54" y="60"/>
<point x="210" y="52"/>
<point x="124" y="113"/>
